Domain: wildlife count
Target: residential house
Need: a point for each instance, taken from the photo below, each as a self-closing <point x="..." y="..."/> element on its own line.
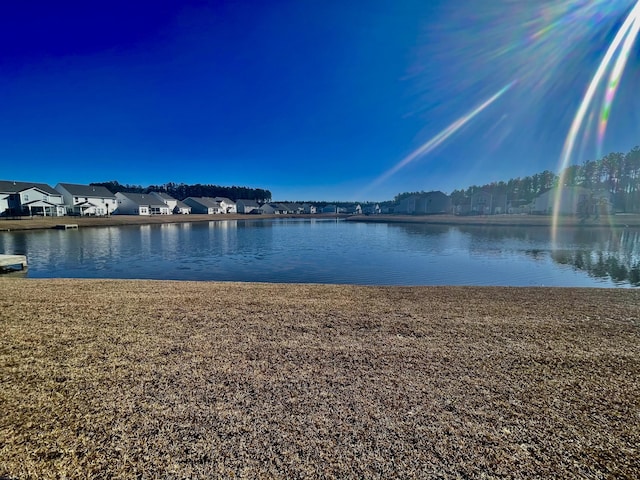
<point x="428" y="203"/>
<point x="520" y="207"/>
<point x="274" y="209"/>
<point x="573" y="200"/>
<point x="175" y="206"/>
<point x="26" y="198"/>
<point x="204" y="205"/>
<point x="246" y="206"/>
<point x="329" y="209"/>
<point x="371" y="209"/>
<point x="87" y="199"/>
<point x="167" y="199"/>
<point x="226" y="205"/>
<point x="140" y="204"/>
<point x="182" y="208"/>
<point x="291" y="208"/>
<point x="268" y="208"/>
<point x="481" y="203"/>
<point x="308" y="208"/>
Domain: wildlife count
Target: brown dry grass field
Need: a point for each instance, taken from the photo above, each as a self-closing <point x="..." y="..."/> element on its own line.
<point x="161" y="379"/>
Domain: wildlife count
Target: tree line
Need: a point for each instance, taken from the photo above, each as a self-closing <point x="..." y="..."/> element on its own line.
<point x="617" y="173"/>
<point x="180" y="191"/>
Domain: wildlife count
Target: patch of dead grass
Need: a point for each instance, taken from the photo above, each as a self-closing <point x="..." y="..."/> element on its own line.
<point x="185" y="379"/>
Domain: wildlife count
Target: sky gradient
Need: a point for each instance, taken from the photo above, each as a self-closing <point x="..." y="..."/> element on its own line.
<point x="318" y="100"/>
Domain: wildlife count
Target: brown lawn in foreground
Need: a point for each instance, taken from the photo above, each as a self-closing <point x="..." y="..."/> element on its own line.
<point x="125" y="379"/>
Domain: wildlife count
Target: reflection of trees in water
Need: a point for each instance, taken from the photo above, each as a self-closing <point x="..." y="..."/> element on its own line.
<point x="421" y="229"/>
<point x="602" y="253"/>
<point x="617" y="259"/>
<point x="601" y="265"/>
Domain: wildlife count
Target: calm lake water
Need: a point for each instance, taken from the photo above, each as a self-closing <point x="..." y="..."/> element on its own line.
<point x="330" y="251"/>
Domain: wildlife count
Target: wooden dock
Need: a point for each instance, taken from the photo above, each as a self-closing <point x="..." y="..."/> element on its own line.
<point x="66" y="226"/>
<point x="13" y="262"/>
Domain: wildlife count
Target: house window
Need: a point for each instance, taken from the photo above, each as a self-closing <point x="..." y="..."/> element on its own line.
<point x="26" y="197"/>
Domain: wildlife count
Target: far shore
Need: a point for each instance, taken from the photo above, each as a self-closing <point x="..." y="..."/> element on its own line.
<point x="39" y="223"/>
<point x="608" y="221"/>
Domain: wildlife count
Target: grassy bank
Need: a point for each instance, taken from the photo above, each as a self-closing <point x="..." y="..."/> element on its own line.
<point x="607" y="221"/>
<point x="152" y="379"/>
<point x="615" y="221"/>
<point x="35" y="223"/>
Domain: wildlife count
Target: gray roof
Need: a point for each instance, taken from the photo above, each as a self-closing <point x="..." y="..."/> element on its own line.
<point x="248" y="203"/>
<point x="7" y="186"/>
<point x="87" y="190"/>
<point x="163" y="195"/>
<point x="181" y="204"/>
<point x="144" y="199"/>
<point x="205" y="201"/>
<point x="225" y="200"/>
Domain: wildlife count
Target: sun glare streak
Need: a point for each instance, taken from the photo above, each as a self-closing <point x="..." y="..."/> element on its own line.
<point x="626" y="36"/>
<point x="614" y="78"/>
<point x="438" y="139"/>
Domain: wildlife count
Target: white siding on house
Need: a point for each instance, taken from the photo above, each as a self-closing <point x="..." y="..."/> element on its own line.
<point x="203" y="205"/>
<point x="226" y="205"/>
<point x="140" y="204"/>
<point x="568" y="201"/>
<point x="246" y="206"/>
<point x="39" y="202"/>
<point x="87" y="199"/>
<point x="168" y="200"/>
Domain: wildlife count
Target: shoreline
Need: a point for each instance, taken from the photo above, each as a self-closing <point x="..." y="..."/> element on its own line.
<point x="611" y="221"/>
<point x="607" y="221"/>
<point x="41" y="223"/>
<point x="130" y="378"/>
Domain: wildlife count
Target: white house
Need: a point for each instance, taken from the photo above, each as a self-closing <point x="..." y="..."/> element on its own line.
<point x="227" y="205"/>
<point x="182" y="208"/>
<point x="140" y="204"/>
<point x="87" y="199"/>
<point x="308" y="208"/>
<point x="246" y="206"/>
<point x="268" y="209"/>
<point x="424" y="203"/>
<point x="573" y="201"/>
<point x="371" y="209"/>
<point x="273" y="209"/>
<point x="167" y="199"/>
<point x="25" y="198"/>
<point x="175" y="206"/>
<point x="206" y="205"/>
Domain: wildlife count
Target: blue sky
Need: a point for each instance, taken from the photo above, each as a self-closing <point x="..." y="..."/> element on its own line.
<point x="314" y="100"/>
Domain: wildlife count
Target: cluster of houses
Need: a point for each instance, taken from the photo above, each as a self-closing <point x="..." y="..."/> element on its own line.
<point x="23" y="198"/>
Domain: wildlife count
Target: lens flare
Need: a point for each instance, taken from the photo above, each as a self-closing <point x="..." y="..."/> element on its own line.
<point x="616" y="73"/>
<point x="438" y="139"/>
<point x="620" y="45"/>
